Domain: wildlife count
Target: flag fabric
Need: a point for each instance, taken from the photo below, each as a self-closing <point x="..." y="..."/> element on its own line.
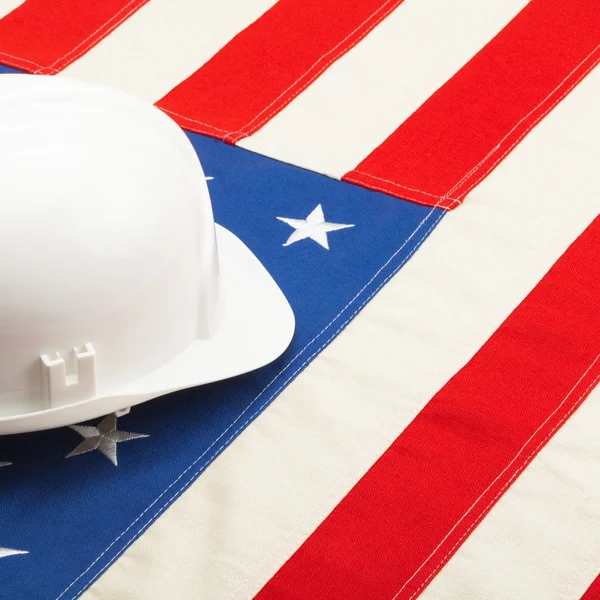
<point x="593" y="591"/>
<point x="421" y="179"/>
<point x="419" y="99"/>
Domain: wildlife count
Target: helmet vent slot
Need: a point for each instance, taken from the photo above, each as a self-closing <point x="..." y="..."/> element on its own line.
<point x="61" y="387"/>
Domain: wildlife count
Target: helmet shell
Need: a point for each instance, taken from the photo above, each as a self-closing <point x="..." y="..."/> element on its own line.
<point x="107" y="240"/>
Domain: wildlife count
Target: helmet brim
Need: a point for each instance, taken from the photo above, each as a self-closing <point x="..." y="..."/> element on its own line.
<point x="257" y="326"/>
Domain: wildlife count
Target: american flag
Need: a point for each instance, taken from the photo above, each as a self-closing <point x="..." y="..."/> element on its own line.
<point x="422" y="179"/>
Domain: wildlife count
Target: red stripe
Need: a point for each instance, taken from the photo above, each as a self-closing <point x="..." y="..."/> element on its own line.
<point x="44" y="37"/>
<point x="593" y="592"/>
<point x="268" y="64"/>
<point x="469" y="125"/>
<point x="411" y="511"/>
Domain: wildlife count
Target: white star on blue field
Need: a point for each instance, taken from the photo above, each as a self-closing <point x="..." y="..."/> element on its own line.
<point x="314" y="227"/>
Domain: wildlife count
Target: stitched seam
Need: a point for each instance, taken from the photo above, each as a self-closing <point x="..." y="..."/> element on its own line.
<point x="406" y="196"/>
<point x="512" y="461"/>
<point x="405" y="187"/>
<point x="51" y="68"/>
<point x="285" y="97"/>
<point x="482" y="163"/>
<point x="171" y="112"/>
<point x="527" y="116"/>
<point x="22" y="60"/>
<point x="96" y="35"/>
<point x="507" y="484"/>
<point x="109" y="28"/>
<point x="523" y="465"/>
<point x="234" y="139"/>
<point x="530" y="126"/>
<point x="182" y="489"/>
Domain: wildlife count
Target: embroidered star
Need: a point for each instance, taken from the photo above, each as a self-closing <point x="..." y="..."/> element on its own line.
<point x="104" y="438"/>
<point x="8" y="552"/>
<point x="5" y="464"/>
<point x="314" y="227"/>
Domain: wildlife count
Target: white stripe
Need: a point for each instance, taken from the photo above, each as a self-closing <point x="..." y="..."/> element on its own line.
<point x="541" y="540"/>
<point x="363" y="97"/>
<point x="163" y="43"/>
<point x="264" y="495"/>
<point x="7" y="6"/>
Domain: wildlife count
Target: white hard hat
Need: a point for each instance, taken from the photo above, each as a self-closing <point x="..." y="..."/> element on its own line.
<point x="116" y="286"/>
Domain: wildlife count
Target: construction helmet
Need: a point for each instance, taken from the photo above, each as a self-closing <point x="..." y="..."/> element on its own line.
<point x="116" y="286"/>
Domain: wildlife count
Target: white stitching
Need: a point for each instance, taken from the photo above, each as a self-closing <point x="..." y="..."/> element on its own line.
<point x="231" y="134"/>
<point x="206" y="464"/>
<point x="20" y="59"/>
<point x="172" y="112"/>
<point x="138" y="4"/>
<point x="405" y="187"/>
<point x="440" y="204"/>
<point x="530" y="126"/>
<point x="482" y="162"/>
<point x="502" y="473"/>
<point x="103" y="35"/>
<point x="396" y="3"/>
<point x="479" y="164"/>
<point x="512" y="478"/>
